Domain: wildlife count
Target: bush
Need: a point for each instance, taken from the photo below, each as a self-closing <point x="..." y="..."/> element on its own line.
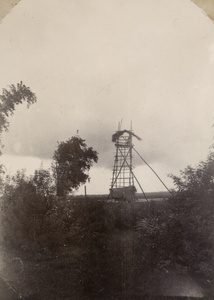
<point x="24" y="214"/>
<point x="118" y="246"/>
<point x="196" y="183"/>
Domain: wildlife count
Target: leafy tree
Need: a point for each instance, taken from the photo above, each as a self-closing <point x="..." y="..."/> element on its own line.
<point x="72" y="161"/>
<point x="194" y="204"/>
<point x="10" y="98"/>
<point x="26" y="208"/>
<point x="43" y="182"/>
<point x="196" y="183"/>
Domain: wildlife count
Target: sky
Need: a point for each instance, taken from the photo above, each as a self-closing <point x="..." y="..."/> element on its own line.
<point x="94" y="63"/>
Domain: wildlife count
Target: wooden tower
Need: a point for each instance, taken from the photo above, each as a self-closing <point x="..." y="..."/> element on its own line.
<point x="122" y="184"/>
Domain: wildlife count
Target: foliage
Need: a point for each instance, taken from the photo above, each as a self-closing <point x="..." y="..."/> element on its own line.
<point x="114" y="248"/>
<point x="193" y="206"/>
<point x="10" y="98"/>
<point x="2" y="173"/>
<point x="34" y="220"/>
<point x="161" y="238"/>
<point x="44" y="182"/>
<point x="24" y="210"/>
<point x="107" y="248"/>
<point x="179" y="238"/>
<point x="72" y="161"/>
<point x="196" y="183"/>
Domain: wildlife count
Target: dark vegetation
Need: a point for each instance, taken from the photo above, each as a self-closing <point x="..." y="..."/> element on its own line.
<point x="12" y="97"/>
<point x="9" y="99"/>
<point x="71" y="162"/>
<point x="57" y="246"/>
<point x="92" y="249"/>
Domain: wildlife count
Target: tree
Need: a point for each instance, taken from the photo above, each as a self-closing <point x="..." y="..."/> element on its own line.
<point x="43" y="181"/>
<point x="193" y="201"/>
<point x="27" y="207"/>
<point x="10" y="98"/>
<point x="72" y="161"/>
<point x="196" y="183"/>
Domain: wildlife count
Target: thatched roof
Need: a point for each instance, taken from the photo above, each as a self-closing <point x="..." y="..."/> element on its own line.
<point x="116" y="136"/>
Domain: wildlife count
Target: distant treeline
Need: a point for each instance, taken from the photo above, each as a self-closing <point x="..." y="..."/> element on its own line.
<point x="150" y="195"/>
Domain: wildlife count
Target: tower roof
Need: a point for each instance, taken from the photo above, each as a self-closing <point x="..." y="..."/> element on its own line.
<point x="116" y="136"/>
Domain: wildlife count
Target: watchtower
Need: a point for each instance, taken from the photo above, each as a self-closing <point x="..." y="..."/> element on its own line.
<point x="122" y="184"/>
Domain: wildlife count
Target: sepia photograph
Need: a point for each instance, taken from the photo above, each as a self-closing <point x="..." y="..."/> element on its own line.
<point x="106" y="149"/>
